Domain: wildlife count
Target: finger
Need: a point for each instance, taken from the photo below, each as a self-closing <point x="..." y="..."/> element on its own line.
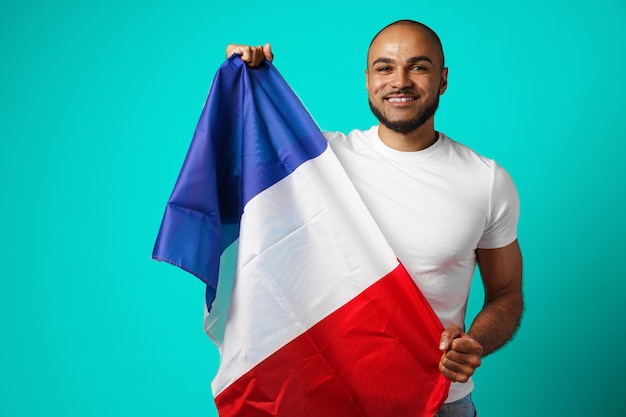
<point x="453" y="359"/>
<point x="453" y="375"/>
<point x="258" y="56"/>
<point x="247" y="54"/>
<point x="466" y="344"/>
<point x="243" y="51"/>
<point x="233" y="49"/>
<point x="448" y="336"/>
<point x="448" y="373"/>
<point x="267" y="51"/>
<point x="456" y="371"/>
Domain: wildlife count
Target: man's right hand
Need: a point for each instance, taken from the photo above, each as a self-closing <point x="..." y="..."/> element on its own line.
<point x="253" y="56"/>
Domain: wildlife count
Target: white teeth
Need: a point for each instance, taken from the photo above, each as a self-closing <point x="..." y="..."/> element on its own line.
<point x="401" y="99"/>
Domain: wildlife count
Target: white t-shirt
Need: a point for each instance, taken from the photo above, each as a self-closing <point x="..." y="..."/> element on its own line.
<point x="435" y="207"/>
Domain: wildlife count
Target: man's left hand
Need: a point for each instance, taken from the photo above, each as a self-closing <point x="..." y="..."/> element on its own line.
<point x="461" y="354"/>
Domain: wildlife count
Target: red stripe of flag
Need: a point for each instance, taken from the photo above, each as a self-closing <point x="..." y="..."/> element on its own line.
<point x="376" y="356"/>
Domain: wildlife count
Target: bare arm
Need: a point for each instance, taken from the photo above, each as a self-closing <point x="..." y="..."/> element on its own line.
<point x="501" y="271"/>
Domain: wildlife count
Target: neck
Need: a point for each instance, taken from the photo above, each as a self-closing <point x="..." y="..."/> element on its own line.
<point x="417" y="140"/>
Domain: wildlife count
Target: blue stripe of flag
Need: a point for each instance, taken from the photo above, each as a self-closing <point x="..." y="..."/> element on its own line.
<point x="252" y="133"/>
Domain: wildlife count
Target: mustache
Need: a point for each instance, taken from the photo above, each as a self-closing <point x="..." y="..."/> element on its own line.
<point x="406" y="90"/>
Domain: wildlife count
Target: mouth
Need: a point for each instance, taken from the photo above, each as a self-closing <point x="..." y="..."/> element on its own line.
<point x="400" y="99"/>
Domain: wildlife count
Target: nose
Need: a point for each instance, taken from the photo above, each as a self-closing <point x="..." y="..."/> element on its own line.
<point x="401" y="79"/>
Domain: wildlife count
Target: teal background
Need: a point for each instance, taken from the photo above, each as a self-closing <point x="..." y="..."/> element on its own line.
<point x="98" y="103"/>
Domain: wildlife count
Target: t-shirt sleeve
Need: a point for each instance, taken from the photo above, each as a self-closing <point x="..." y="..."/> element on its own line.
<point x="504" y="209"/>
<point x="332" y="136"/>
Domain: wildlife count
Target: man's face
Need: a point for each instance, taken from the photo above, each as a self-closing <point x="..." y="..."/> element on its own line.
<point x="404" y="78"/>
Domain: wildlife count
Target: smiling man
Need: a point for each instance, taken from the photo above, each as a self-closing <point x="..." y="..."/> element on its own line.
<point x="443" y="208"/>
<point x="405" y="76"/>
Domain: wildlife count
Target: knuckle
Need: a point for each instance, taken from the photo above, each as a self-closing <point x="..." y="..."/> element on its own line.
<point x="462" y="378"/>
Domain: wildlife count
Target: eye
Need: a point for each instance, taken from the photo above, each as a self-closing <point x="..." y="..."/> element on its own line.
<point x="383" y="69"/>
<point x="418" y="68"/>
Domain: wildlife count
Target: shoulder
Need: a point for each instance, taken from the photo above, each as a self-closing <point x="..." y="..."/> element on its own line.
<point x="495" y="179"/>
<point x="334" y="136"/>
<point x="461" y="153"/>
<point x="342" y="137"/>
<point x="354" y="140"/>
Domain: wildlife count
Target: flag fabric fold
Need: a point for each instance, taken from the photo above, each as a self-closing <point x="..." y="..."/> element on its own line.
<point x="320" y="318"/>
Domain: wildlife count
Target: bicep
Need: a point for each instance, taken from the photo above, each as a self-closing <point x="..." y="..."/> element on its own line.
<point x="501" y="270"/>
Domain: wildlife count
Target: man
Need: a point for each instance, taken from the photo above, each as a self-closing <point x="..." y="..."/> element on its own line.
<point x="442" y="207"/>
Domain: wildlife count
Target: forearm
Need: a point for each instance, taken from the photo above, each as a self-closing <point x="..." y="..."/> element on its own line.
<point x="497" y="321"/>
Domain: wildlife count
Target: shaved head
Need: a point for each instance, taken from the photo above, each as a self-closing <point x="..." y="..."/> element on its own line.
<point x="405" y="76"/>
<point x="421" y="27"/>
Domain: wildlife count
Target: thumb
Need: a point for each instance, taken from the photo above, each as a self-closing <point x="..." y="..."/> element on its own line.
<point x="448" y="336"/>
<point x="267" y="51"/>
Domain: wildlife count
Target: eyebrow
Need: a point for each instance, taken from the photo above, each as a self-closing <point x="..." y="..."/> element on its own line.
<point x="411" y="60"/>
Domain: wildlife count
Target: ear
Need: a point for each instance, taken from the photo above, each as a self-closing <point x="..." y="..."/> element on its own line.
<point x="443" y="84"/>
<point x="367" y="79"/>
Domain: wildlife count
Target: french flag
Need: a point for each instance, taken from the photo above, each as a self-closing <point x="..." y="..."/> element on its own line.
<point x="320" y="318"/>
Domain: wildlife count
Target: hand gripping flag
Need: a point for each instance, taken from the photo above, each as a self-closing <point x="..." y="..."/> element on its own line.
<point x="320" y="318"/>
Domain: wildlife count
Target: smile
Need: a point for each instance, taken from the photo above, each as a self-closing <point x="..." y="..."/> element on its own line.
<point x="400" y="99"/>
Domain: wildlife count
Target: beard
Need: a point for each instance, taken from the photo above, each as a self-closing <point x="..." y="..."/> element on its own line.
<point x="407" y="126"/>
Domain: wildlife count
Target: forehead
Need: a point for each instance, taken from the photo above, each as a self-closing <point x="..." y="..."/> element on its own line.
<point x="401" y="42"/>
